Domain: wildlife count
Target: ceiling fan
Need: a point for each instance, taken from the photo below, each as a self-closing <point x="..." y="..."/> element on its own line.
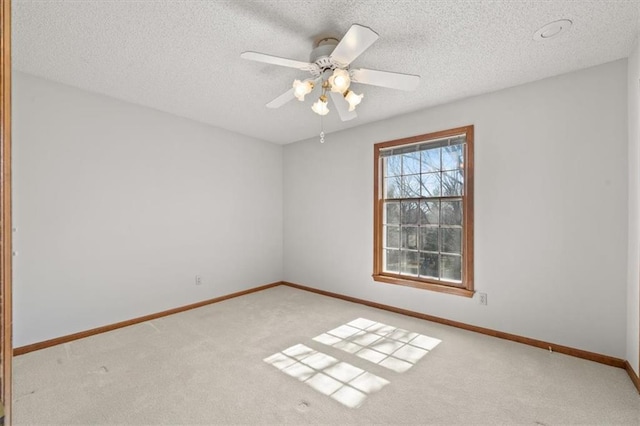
<point x="329" y="67"/>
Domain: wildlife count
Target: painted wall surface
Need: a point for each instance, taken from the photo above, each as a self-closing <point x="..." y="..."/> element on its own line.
<point x="550" y="210"/>
<point x="633" y="265"/>
<point x="118" y="207"/>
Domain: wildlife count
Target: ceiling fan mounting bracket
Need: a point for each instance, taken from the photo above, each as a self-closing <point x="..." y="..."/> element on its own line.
<point x="327" y="40"/>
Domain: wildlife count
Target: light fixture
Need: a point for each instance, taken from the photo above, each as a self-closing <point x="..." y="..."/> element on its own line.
<point x="320" y="107"/>
<point x="301" y="88"/>
<point x="340" y="80"/>
<point x="353" y="99"/>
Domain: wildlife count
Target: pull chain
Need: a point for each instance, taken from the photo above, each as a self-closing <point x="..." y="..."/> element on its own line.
<point x="321" y="130"/>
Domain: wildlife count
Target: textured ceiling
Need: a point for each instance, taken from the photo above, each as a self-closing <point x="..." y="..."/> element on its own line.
<point x="183" y="57"/>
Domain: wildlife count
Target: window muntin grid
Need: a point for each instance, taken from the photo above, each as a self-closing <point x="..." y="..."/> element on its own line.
<point x="422" y="214"/>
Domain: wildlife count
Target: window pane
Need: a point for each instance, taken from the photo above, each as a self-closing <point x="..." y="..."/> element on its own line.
<point x="392" y="237"/>
<point x="429" y="212"/>
<point x="452" y="183"/>
<point x="393" y="166"/>
<point x="431" y="160"/>
<point x="429" y="265"/>
<point x="451" y="267"/>
<point x="392" y="213"/>
<point x="409" y="262"/>
<point x="392" y="187"/>
<point x="409" y="212"/>
<point x="431" y="184"/>
<point x="411" y="163"/>
<point x="410" y="237"/>
<point x="429" y="238"/>
<point x="410" y="186"/>
<point x="451" y="239"/>
<point x="451" y="212"/>
<point x="452" y="157"/>
<point x="392" y="261"/>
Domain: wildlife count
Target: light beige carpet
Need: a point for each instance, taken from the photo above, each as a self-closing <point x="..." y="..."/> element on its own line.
<point x="288" y="356"/>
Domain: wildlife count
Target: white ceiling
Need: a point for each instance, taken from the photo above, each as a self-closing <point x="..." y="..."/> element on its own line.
<point x="183" y="57"/>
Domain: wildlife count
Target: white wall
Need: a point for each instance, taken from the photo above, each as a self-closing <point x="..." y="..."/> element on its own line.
<point x="118" y="207"/>
<point x="633" y="266"/>
<point x="550" y="210"/>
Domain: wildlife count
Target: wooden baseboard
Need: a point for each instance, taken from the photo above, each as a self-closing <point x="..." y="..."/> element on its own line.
<point x="632" y="374"/>
<point x="68" y="338"/>
<point x="591" y="356"/>
<point x="579" y="353"/>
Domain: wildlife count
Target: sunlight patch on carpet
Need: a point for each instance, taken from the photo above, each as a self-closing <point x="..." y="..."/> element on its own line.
<point x="345" y="383"/>
<point x="382" y="344"/>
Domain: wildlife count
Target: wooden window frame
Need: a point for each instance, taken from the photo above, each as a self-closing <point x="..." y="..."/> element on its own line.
<point x="379" y="274"/>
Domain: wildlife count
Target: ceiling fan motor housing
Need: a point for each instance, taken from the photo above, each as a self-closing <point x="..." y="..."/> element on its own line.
<point x="321" y="56"/>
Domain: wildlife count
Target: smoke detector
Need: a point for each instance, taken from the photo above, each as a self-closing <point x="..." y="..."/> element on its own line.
<point x="552" y="30"/>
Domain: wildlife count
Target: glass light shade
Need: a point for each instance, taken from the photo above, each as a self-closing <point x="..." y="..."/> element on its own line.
<point x="353" y="99"/>
<point x="301" y="88"/>
<point x="320" y="106"/>
<point x="339" y="81"/>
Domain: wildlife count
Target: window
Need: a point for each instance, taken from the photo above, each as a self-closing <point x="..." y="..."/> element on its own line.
<point x="423" y="215"/>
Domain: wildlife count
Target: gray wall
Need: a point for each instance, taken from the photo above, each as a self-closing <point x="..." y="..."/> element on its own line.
<point x="550" y="210"/>
<point x="118" y="207"/>
<point x="633" y="265"/>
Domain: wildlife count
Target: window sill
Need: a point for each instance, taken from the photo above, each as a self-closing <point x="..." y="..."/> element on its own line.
<point x="423" y="285"/>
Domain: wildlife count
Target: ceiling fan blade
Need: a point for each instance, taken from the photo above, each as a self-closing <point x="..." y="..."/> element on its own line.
<point x="276" y="60"/>
<point x="342" y="106"/>
<point x="282" y="99"/>
<point x="353" y="44"/>
<point x="392" y="80"/>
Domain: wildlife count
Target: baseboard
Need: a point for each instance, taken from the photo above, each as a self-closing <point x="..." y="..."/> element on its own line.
<point x="68" y="338"/>
<point x="632" y="374"/>
<point x="591" y="356"/>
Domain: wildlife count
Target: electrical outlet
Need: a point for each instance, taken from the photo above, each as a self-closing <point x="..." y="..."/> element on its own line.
<point x="198" y="280"/>
<point x="482" y="298"/>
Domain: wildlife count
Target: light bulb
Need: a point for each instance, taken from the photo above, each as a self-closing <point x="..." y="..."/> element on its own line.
<point x="340" y="80"/>
<point x="301" y="88"/>
<point x="353" y="99"/>
<point x="320" y="106"/>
